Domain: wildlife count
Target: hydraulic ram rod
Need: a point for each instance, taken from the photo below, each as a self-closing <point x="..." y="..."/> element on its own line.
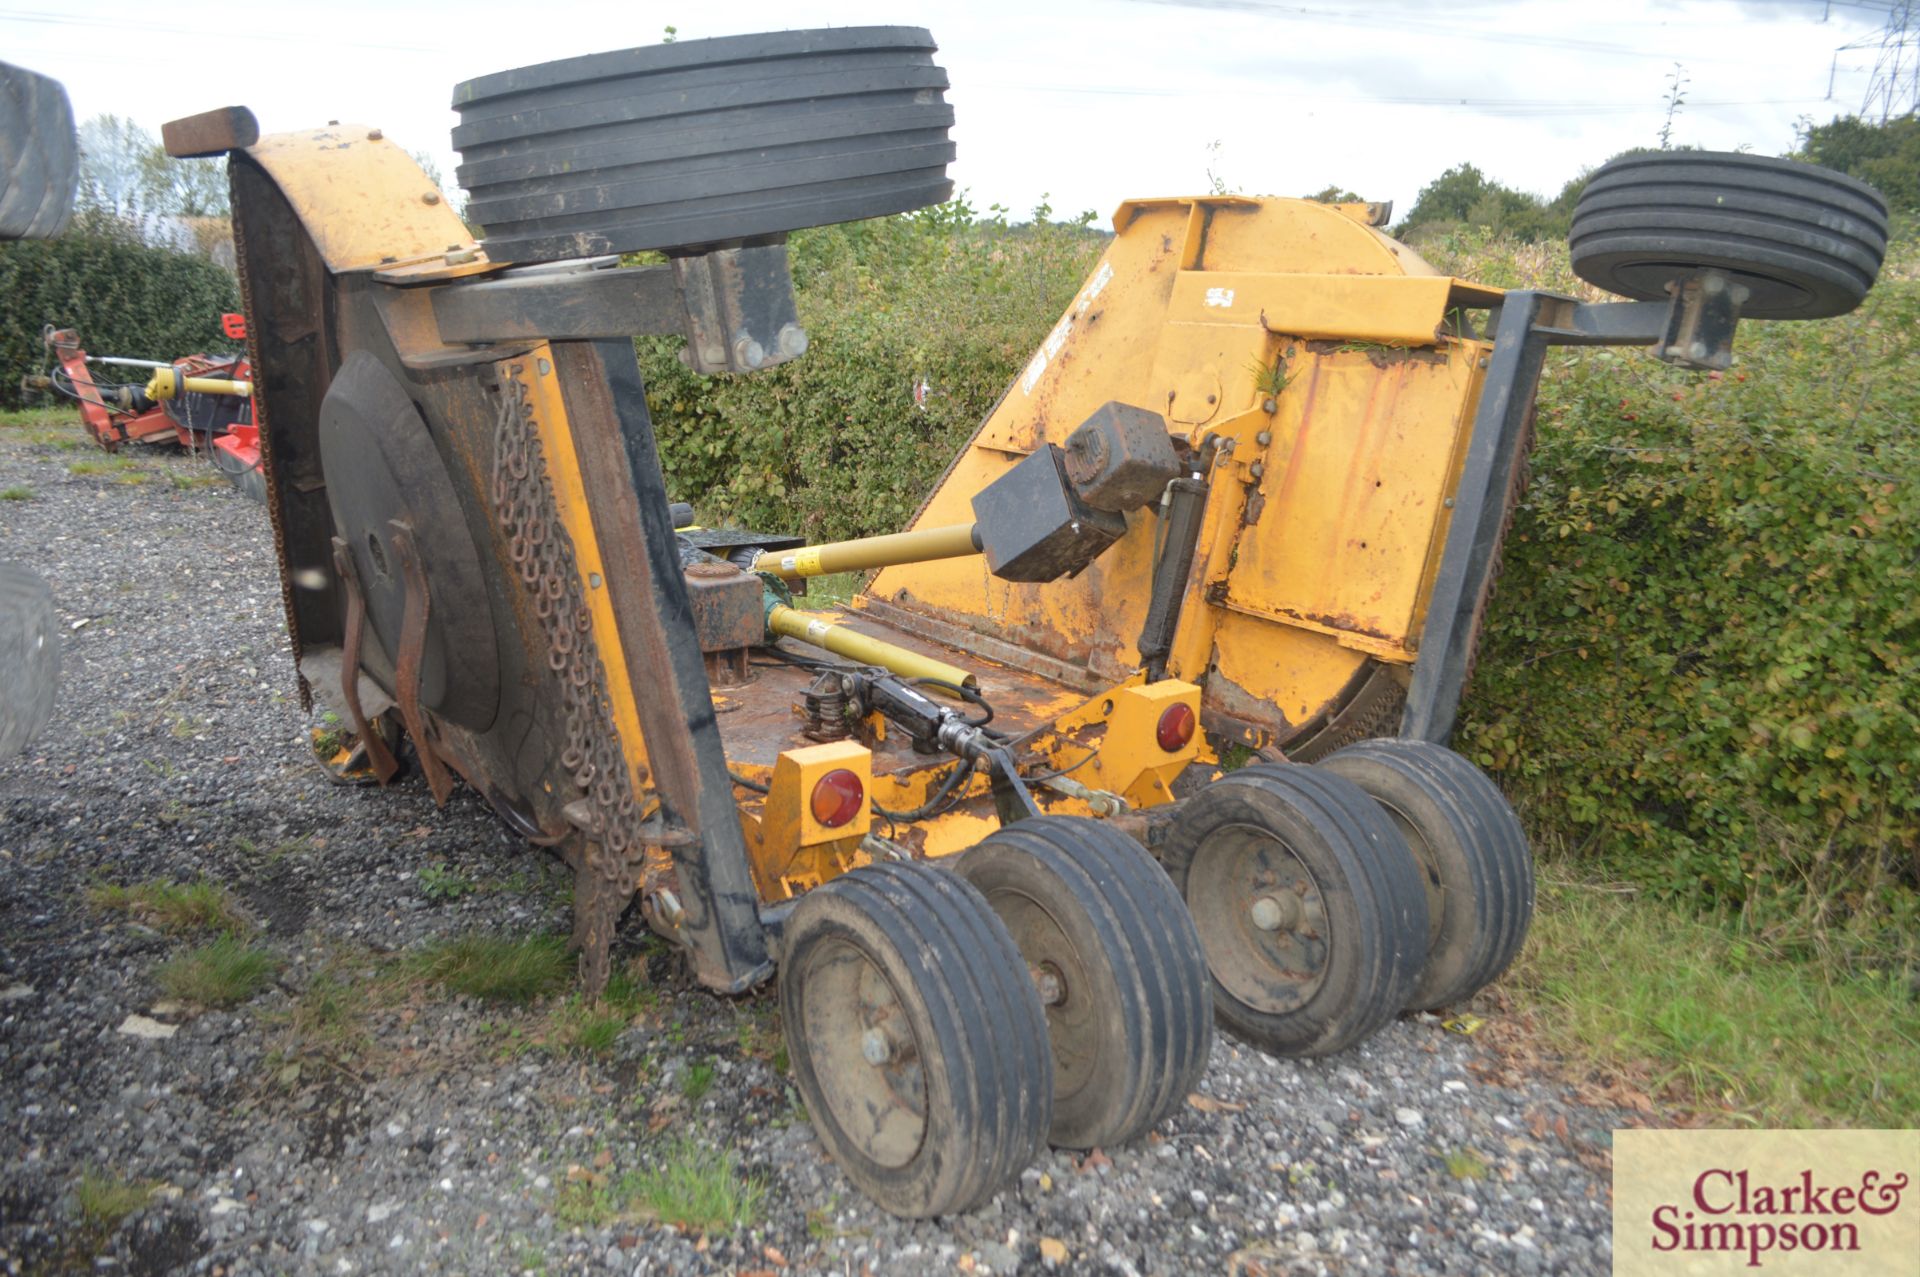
<point x="838" y="639"/>
<point x="872" y="552"/>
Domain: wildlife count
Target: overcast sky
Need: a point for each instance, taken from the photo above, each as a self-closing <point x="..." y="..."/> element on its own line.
<point x="1087" y="101"/>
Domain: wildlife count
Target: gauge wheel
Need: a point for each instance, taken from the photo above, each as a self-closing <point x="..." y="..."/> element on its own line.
<point x="1118" y="966"/>
<point x="1308" y="904"/>
<point x="700" y="143"/>
<point x="1805" y="241"/>
<point x="29" y="657"/>
<point x="1472" y="855"/>
<point x="917" y="1040"/>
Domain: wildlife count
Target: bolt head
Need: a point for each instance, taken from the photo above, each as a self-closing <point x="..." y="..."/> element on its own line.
<point x="1268" y="913"/>
<point x="874" y="1047"/>
<point x="793" y="340"/>
<point x="1264" y="438"/>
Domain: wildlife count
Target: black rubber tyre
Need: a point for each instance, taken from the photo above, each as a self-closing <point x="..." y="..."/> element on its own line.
<point x="703" y="142"/>
<point x="1806" y="241"/>
<point x="29" y="657"/>
<point x="1471" y="851"/>
<point x="1345" y="949"/>
<point x="39" y="155"/>
<point x="960" y="1102"/>
<point x="1119" y="966"/>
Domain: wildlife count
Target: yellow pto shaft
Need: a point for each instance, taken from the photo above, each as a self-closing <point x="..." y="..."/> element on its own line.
<point x="838" y="639"/>
<point x="872" y="552"/>
<point x="167" y="383"/>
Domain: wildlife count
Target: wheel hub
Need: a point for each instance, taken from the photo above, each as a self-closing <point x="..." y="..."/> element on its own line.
<point x="1261" y="917"/>
<point x="869" y="1063"/>
<point x="1276" y="913"/>
<point x="1049" y="984"/>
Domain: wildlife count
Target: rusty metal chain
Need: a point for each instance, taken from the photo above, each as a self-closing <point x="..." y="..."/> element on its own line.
<point x="541" y="552"/>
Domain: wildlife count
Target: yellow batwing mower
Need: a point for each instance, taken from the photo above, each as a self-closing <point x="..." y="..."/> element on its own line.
<point x="1252" y="483"/>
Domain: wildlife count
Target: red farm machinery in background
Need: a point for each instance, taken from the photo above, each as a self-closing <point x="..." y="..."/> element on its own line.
<point x="201" y="403"/>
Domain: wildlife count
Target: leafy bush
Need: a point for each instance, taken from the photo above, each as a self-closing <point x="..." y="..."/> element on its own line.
<point x="1701" y="659"/>
<point x="123" y="297"/>
<point x="834" y="444"/>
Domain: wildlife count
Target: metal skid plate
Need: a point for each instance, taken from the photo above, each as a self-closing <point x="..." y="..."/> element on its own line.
<point x="382" y="469"/>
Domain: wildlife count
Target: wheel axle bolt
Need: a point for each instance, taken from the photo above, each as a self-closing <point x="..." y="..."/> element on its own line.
<point x="1050" y="988"/>
<point x="875" y="1047"/>
<point x="1271" y="914"/>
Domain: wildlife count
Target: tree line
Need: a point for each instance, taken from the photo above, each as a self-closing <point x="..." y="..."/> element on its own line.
<point x="1885" y="154"/>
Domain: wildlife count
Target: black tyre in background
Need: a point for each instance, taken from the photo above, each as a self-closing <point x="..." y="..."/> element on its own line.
<point x="1805" y="241"/>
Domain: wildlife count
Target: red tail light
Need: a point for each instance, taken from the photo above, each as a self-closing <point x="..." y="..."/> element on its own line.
<point x="1176" y="727"/>
<point x="837" y="798"/>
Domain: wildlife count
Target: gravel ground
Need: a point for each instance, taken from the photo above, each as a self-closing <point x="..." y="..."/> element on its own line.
<point x="452" y="1136"/>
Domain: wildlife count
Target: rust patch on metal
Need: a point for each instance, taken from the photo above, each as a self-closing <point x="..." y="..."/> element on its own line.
<point x="1381" y="356"/>
<point x="1342" y="621"/>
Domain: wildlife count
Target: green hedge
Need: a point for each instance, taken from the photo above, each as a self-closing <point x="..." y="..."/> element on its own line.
<point x="834" y="444"/>
<point x="1702" y="665"/>
<point x="123" y="297"/>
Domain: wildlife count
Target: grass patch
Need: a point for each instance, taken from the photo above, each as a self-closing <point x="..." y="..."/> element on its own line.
<point x="495" y="968"/>
<point x="29" y="418"/>
<point x="757" y="1031"/>
<point x="326" y="1024"/>
<point x="628" y="989"/>
<point x="697" y="1187"/>
<point x="178" y="907"/>
<point x="1464" y="1163"/>
<point x="439" y="882"/>
<point x="1696" y="1007"/>
<point x="586" y="1028"/>
<point x="222" y="973"/>
<point x="690" y="1185"/>
<point x="105" y="1199"/>
<point x="16" y="493"/>
<point x="585" y="1203"/>
<point x="697" y="1080"/>
<point x="331" y="1013"/>
<point x="105" y="465"/>
<point x="186" y="480"/>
